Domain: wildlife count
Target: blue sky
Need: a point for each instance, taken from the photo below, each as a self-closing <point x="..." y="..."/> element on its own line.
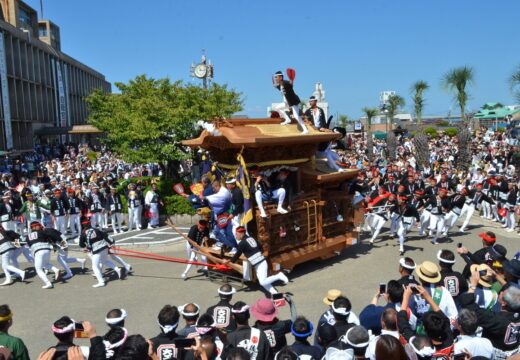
<point x="355" y="48"/>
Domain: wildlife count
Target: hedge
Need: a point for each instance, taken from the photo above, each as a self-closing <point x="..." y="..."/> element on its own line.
<point x="451" y="132"/>
<point x="173" y="203"/>
<point x="431" y="131"/>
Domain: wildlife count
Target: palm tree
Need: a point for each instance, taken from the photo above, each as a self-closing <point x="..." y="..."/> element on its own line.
<point x="394" y="103"/>
<point x="370" y="113"/>
<point x="515" y="83"/>
<point x="420" y="140"/>
<point x="456" y="80"/>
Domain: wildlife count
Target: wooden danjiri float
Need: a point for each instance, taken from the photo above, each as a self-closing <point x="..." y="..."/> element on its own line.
<point x="322" y="220"/>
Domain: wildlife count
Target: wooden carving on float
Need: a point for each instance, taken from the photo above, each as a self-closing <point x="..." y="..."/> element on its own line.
<point x="321" y="221"/>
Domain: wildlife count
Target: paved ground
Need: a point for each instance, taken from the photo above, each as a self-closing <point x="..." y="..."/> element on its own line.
<point x="357" y="272"/>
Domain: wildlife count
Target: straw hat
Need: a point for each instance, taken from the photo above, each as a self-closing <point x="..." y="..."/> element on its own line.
<point x="428" y="272"/>
<point x="485" y="280"/>
<point x="332" y="295"/>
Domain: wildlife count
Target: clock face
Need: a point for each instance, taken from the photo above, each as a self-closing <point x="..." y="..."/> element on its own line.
<point x="200" y="71"/>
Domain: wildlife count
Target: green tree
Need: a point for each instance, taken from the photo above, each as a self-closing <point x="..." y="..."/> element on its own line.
<point x="456" y="81"/>
<point x="515" y="83"/>
<point x="343" y="121"/>
<point x="148" y="118"/>
<point x="394" y="103"/>
<point x="420" y="140"/>
<point x="370" y="113"/>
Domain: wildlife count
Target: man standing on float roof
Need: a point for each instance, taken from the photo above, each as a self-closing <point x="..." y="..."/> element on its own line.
<point x="290" y="101"/>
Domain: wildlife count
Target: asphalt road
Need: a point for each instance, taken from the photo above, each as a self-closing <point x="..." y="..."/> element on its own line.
<point x="357" y="272"/>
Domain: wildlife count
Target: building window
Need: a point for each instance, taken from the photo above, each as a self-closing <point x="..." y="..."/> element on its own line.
<point x="25" y="19"/>
<point x="42" y="31"/>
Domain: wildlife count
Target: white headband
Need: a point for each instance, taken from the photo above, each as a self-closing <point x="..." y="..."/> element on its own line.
<point x="424" y="352"/>
<point x="341" y="310"/>
<point x="110" y="346"/>
<point x="361" y="345"/>
<point x="243" y="309"/>
<point x="189" y="314"/>
<point x="168" y="328"/>
<point x="230" y="292"/>
<point x="66" y="329"/>
<point x="405" y="265"/>
<point x="444" y="260"/>
<point x="113" y="321"/>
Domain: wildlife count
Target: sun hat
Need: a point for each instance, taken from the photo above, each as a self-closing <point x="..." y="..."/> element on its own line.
<point x="428" y="272"/>
<point x="485" y="280"/>
<point x="332" y="295"/>
<point x="264" y="310"/>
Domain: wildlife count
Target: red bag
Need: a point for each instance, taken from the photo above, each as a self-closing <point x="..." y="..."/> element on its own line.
<point x="147" y="214"/>
<point x="502" y="212"/>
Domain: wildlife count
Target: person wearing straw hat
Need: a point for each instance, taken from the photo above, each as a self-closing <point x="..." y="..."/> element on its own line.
<point x="502" y="327"/>
<point x="430" y="276"/>
<point x="290" y="101"/>
<point x="265" y="312"/>
<point x="486" y="297"/>
<point x="302" y="329"/>
<point x="252" y="339"/>
<point x="221" y="311"/>
<point x="453" y="280"/>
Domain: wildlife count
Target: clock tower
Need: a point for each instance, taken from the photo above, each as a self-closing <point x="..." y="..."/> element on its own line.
<point x="203" y="70"/>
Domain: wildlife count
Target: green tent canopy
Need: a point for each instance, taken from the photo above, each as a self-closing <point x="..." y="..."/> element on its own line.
<point x="380" y="135"/>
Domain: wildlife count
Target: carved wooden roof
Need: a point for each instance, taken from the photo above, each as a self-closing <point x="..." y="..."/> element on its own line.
<point x="255" y="133"/>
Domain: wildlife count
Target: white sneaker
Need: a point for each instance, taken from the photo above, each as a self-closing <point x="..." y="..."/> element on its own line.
<point x="510" y="230"/>
<point x="48" y="286"/>
<point x="101" y="284"/>
<point x="7" y="282"/>
<point x="434" y="242"/>
<point x="56" y="274"/>
<point x="184" y="276"/>
<point x="22" y="278"/>
<point x="82" y="262"/>
<point x="401" y="249"/>
<point x="128" y="268"/>
<point x="286" y="122"/>
<point x="118" y="272"/>
<point x="76" y="240"/>
<point x="281" y="210"/>
<point x="149" y="227"/>
<point x="284" y="278"/>
<point x="305" y="132"/>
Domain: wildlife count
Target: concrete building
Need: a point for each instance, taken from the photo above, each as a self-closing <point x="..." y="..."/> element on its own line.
<point x="42" y="89"/>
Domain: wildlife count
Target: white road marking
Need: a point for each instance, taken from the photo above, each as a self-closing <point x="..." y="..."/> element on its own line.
<point x="154" y="242"/>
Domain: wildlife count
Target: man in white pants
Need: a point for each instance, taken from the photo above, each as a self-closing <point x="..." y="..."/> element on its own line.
<point x="134" y="208"/>
<point x="40" y="244"/>
<point x="405" y="216"/>
<point x="75" y="206"/>
<point x="264" y="192"/>
<point x="97" y="243"/>
<point x="115" y="208"/>
<point x="7" y="249"/>
<point x="440" y="203"/>
<point x="152" y="201"/>
<point x="59" y="208"/>
<point x="198" y="233"/>
<point x="290" y="101"/>
<point x="252" y="251"/>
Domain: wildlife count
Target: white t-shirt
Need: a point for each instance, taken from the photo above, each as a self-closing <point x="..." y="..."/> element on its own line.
<point x="476" y="346"/>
